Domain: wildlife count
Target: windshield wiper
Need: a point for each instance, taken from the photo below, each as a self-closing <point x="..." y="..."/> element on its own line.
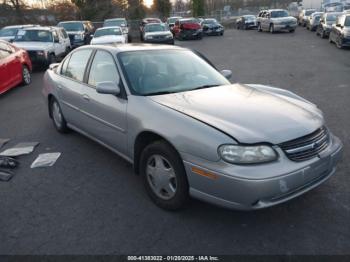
<point x="159" y="93"/>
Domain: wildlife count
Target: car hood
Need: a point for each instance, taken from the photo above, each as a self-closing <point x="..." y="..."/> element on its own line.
<point x="34" y="46"/>
<point x="7" y="38"/>
<point x="248" y="113"/>
<point x="108" y="39"/>
<point x="160" y="33"/>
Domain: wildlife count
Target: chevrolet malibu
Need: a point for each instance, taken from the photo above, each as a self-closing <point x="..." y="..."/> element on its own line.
<point x="187" y="130"/>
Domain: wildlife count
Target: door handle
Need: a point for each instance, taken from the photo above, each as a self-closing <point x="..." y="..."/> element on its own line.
<point x="86" y="97"/>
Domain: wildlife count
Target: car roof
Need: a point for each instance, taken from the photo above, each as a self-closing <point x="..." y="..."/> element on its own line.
<point x="274" y="10"/>
<point x="132" y="47"/>
<point x="46" y="28"/>
<point x="154" y="24"/>
<point x="19" y="26"/>
<point x="114" y="19"/>
<point x="109" y="27"/>
<point x="76" y="21"/>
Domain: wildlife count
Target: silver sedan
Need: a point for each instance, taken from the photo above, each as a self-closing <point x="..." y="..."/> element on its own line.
<point x="187" y="130"/>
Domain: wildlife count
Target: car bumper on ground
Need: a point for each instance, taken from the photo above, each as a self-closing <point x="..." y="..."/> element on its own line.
<point x="256" y="187"/>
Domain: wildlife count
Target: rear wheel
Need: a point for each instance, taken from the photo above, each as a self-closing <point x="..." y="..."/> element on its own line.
<point x="57" y="117"/>
<point x="164" y="176"/>
<point x="26" y="76"/>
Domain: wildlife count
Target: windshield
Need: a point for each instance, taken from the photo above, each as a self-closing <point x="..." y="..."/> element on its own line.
<point x="347" y="21"/>
<point x="210" y="21"/>
<point x="108" y="31"/>
<point x="168" y="71"/>
<point x="276" y="14"/>
<point x="119" y="22"/>
<point x="34" y="36"/>
<point x="73" y="26"/>
<point x="8" y="32"/>
<point x="156" y="28"/>
<point x="173" y="20"/>
<point x="309" y="12"/>
<point x="250" y="18"/>
<point x="331" y="18"/>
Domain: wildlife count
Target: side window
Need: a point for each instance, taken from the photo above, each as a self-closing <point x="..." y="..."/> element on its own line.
<point x="55" y="36"/>
<point x="64" y="66"/>
<point x="103" y="69"/>
<point x="64" y="33"/>
<point x="77" y="64"/>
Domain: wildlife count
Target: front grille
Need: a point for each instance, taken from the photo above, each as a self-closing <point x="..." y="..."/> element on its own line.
<point x="306" y="147"/>
<point x="159" y="37"/>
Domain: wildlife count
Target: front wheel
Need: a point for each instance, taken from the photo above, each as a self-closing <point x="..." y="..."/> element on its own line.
<point x="26" y="76"/>
<point x="57" y="117"/>
<point x="164" y="176"/>
<point x="259" y="28"/>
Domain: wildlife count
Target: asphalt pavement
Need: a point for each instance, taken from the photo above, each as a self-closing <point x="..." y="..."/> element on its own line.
<point x="91" y="202"/>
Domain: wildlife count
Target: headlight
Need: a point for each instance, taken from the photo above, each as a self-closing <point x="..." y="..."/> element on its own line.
<point x="125" y="30"/>
<point x="79" y="37"/>
<point x="41" y="53"/>
<point x="149" y="37"/>
<point x="169" y="36"/>
<point x="237" y="154"/>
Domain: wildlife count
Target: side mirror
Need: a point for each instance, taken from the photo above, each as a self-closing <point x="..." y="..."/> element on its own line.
<point x="226" y="73"/>
<point x="108" y="88"/>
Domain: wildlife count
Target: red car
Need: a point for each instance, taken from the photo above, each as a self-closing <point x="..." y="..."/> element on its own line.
<point x="188" y="28"/>
<point x="15" y="66"/>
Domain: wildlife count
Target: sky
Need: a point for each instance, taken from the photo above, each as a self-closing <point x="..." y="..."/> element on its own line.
<point x="148" y="3"/>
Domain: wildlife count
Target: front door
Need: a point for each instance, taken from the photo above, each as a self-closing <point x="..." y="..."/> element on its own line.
<point x="106" y="113"/>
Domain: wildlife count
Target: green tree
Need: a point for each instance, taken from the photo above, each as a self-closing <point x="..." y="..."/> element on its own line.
<point x="162" y="7"/>
<point x="198" y="7"/>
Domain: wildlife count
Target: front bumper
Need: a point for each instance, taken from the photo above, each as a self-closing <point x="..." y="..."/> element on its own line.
<point x="259" y="186"/>
<point x="168" y="41"/>
<point x="191" y="34"/>
<point x="211" y="31"/>
<point x="285" y="27"/>
<point x="38" y="60"/>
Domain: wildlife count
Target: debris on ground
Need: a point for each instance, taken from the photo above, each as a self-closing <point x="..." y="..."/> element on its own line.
<point x="20" y="149"/>
<point x="5" y="175"/>
<point x="45" y="160"/>
<point x="8" y="162"/>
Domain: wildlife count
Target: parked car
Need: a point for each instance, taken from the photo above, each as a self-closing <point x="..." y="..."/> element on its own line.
<point x="8" y="33"/>
<point x="188" y="28"/>
<point x="340" y="32"/>
<point x="15" y="66"/>
<point x="45" y="45"/>
<point x="313" y="21"/>
<point x="211" y="26"/>
<point x="80" y="32"/>
<point x="157" y="34"/>
<point x="326" y="22"/>
<point x="171" y="22"/>
<point x="122" y="23"/>
<point x="187" y="130"/>
<point x="245" y="22"/>
<point x="304" y="16"/>
<point x="109" y="35"/>
<point x="276" y="20"/>
<point x="145" y="22"/>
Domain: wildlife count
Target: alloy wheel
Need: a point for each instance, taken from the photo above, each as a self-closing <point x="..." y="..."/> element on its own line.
<point x="56" y="114"/>
<point x="26" y="76"/>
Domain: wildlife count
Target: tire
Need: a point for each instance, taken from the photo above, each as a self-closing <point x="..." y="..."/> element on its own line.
<point x="272" y="29"/>
<point x="57" y="117"/>
<point x="172" y="191"/>
<point x="259" y="27"/>
<point x="52" y="59"/>
<point x="291" y="30"/>
<point x="338" y="44"/>
<point x="26" y="76"/>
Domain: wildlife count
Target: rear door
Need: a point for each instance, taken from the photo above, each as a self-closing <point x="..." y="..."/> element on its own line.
<point x="70" y="85"/>
<point x="4" y="71"/>
<point x="105" y="114"/>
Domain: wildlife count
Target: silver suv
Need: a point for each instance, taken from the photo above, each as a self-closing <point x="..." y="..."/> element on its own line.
<point x="276" y="20"/>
